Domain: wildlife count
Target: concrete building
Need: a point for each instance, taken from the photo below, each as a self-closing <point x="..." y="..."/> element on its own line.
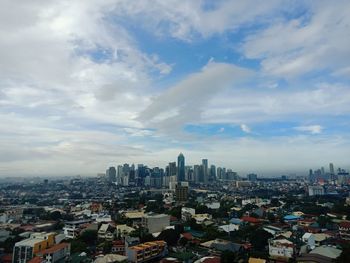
<point x="187" y="213"/>
<point x="281" y="248"/>
<point x="72" y="229"/>
<point x="57" y="253"/>
<point x="181" y="168"/>
<point x="181" y="193"/>
<point x="146" y="251"/>
<point x="26" y="249"/>
<point x="155" y="222"/>
<point x="316" y="190"/>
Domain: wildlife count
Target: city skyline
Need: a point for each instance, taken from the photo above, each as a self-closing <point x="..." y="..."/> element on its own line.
<point x="257" y="88"/>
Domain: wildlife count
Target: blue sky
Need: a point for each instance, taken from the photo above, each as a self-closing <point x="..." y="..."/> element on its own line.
<point x="256" y="88"/>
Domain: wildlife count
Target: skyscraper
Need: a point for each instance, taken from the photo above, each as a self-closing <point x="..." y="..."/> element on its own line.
<point x="111" y="174"/>
<point x="180" y="168"/>
<point x="331" y="168"/>
<point x="205" y="170"/>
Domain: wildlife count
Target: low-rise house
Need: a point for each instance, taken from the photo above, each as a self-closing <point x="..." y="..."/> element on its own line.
<point x="281" y="248"/>
<point x="251" y="220"/>
<point x="57" y="253"/>
<point x="320" y="237"/>
<point x="118" y="247"/>
<point x="344" y="229"/>
<point x="273" y="230"/>
<point x="111" y="258"/>
<point x="72" y="229"/>
<point x="200" y="218"/>
<point x="326" y="251"/>
<point x="187" y="213"/>
<point x="123" y="230"/>
<point x="309" y="239"/>
<point x="229" y="228"/>
<point x="217" y="246"/>
<point x="106" y="232"/>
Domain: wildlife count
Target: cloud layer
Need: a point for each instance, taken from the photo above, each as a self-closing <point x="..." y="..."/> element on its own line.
<point x="87" y="84"/>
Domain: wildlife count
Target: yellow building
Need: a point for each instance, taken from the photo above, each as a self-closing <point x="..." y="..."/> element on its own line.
<point x="25" y="250"/>
<point x="146" y="251"/>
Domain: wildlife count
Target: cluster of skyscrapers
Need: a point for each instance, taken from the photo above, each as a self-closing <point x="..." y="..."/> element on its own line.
<point x="173" y="173"/>
<point x="336" y="176"/>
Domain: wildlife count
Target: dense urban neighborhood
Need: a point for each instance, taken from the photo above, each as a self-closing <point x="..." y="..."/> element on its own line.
<point x="180" y="214"/>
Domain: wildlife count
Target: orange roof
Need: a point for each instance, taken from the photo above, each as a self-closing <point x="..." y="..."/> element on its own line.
<point x="36" y="260"/>
<point x="53" y="249"/>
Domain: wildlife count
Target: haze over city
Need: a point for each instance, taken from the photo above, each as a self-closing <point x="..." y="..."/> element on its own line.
<point x="85" y="85"/>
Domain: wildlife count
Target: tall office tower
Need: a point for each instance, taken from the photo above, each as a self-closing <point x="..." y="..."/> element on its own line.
<point x="188" y="173"/>
<point x="311" y="176"/>
<point x="180" y="168"/>
<point x="126" y="174"/>
<point x="132" y="175"/>
<point x="322" y="171"/>
<point x="218" y="173"/>
<point x="331" y="168"/>
<point x="212" y="173"/>
<point x="111" y="174"/>
<point x="205" y="170"/>
<point x="119" y="174"/>
<point x="172" y="169"/>
<point x="196" y="173"/>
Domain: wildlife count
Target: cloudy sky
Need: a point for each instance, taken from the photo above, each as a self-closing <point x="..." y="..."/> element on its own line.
<point x="256" y="88"/>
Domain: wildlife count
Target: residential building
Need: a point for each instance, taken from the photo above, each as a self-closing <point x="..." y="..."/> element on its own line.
<point x="72" y="229"/>
<point x="316" y="190"/>
<point x="146" y="251"/>
<point x="281" y="248"/>
<point x="181" y="193"/>
<point x="26" y="249"/>
<point x="57" y="253"/>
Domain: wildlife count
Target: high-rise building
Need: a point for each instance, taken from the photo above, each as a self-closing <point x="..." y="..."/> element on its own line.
<point x="172" y="169"/>
<point x="252" y="177"/>
<point x="212" y="173"/>
<point x="205" y="170"/>
<point x="111" y="174"/>
<point x="331" y="168"/>
<point x="196" y="173"/>
<point x="181" y="193"/>
<point x="180" y="168"/>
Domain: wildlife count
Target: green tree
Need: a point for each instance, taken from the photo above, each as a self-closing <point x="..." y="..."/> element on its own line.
<point x="170" y="236"/>
<point x="89" y="237"/>
<point x="345" y="255"/>
<point x="78" y="246"/>
<point x="227" y="257"/>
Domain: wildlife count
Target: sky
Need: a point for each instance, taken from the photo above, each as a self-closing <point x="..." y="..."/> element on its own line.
<point x="253" y="87"/>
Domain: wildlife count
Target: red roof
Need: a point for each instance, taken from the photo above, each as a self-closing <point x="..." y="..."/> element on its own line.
<point x="36" y="260"/>
<point x="250" y="219"/>
<point x="211" y="260"/>
<point x="53" y="249"/>
<point x="344" y="224"/>
<point x="187" y="235"/>
<point x="118" y="243"/>
<point x="6" y="258"/>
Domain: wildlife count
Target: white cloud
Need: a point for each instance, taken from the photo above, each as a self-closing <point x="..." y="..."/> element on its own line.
<point x="245" y="128"/>
<point x="315" y="41"/>
<point x="313" y="129"/>
<point x="184" y="102"/>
